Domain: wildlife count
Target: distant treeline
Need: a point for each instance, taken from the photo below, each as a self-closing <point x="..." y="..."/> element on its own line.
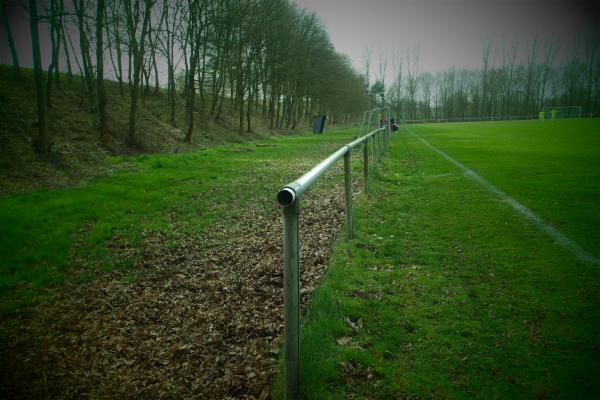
<point x="501" y="87"/>
<point x="267" y="58"/>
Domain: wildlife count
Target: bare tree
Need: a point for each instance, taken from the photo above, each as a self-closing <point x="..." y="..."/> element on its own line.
<point x="102" y="117"/>
<point x="485" y="55"/>
<point x="412" y="72"/>
<point x="591" y="50"/>
<point x="367" y="65"/>
<point x="10" y="39"/>
<point x="532" y="79"/>
<point x="397" y="88"/>
<point x="42" y="142"/>
<point x="426" y="83"/>
<point x="55" y="18"/>
<point x="550" y="51"/>
<point x="138" y="18"/>
<point x="84" y="48"/>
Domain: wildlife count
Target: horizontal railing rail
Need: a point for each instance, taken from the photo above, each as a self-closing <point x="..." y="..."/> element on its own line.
<point x="468" y="119"/>
<point x="289" y="200"/>
<point x="294" y="190"/>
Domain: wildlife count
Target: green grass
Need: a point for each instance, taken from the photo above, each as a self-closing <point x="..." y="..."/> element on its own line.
<point x="459" y="295"/>
<point x="552" y="167"/>
<point x="48" y="234"/>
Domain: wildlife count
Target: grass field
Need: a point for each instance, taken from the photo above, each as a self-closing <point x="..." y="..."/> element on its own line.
<point x="551" y="167"/>
<point x="446" y="291"/>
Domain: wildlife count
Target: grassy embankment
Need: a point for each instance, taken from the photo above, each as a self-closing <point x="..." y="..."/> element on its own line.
<point x="446" y="291"/>
<point x="73" y="232"/>
<point x="76" y="154"/>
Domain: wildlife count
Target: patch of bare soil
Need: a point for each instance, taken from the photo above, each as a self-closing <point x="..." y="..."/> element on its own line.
<point x="203" y="320"/>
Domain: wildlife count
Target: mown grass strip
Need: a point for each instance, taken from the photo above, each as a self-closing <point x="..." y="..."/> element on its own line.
<point x="551" y="167"/>
<point x="447" y="292"/>
<point x="544" y="226"/>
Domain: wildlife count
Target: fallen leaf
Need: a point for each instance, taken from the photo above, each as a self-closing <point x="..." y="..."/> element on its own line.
<point x="344" y="341"/>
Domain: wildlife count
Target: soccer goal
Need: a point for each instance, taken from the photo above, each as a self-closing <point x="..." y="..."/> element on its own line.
<point x="560" y="112"/>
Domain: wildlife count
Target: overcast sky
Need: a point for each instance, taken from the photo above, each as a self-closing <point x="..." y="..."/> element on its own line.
<point x="449" y="32"/>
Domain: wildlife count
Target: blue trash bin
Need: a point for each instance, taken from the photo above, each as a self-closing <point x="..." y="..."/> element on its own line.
<point x="319" y="123"/>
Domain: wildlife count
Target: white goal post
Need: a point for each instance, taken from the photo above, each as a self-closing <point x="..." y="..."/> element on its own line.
<point x="560" y="112"/>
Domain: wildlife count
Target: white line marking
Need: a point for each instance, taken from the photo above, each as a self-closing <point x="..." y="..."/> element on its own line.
<point x="544" y="226"/>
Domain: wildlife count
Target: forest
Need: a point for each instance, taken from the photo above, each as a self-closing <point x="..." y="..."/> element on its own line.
<point x="501" y="88"/>
<point x="259" y="59"/>
<point x="272" y="63"/>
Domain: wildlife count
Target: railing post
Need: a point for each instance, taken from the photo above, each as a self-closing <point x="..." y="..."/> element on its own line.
<point x="291" y="301"/>
<point x="373" y="149"/>
<point x="378" y="146"/>
<point x="348" y="184"/>
<point x="366" y="164"/>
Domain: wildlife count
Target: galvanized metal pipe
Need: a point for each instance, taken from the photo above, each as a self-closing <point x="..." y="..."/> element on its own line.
<point x="294" y="190"/>
<point x="378" y="137"/>
<point x="291" y="301"/>
<point x="373" y="150"/>
<point x="348" y="186"/>
<point x="366" y="164"/>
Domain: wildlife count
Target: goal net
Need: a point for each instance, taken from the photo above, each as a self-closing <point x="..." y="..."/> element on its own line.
<point x="560" y="112"/>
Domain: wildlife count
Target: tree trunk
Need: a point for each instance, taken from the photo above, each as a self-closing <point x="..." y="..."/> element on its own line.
<point x="54" y="47"/>
<point x="42" y="143"/>
<point x="137" y="51"/>
<point x="193" y="32"/>
<point x="11" y="42"/>
<point x="117" y="67"/>
<point x="172" y="93"/>
<point x="248" y="112"/>
<point x="190" y="104"/>
<point x="85" y="53"/>
<point x="67" y="55"/>
<point x="59" y="27"/>
<point x="100" y="75"/>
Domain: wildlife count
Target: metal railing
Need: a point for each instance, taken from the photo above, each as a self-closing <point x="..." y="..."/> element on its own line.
<point x="468" y="119"/>
<point x="365" y="122"/>
<point x="289" y="200"/>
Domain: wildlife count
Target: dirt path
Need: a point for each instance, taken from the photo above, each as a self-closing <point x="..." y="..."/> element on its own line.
<point x="203" y="320"/>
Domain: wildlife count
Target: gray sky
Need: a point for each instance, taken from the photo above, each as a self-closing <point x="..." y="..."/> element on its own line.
<point x="449" y="32"/>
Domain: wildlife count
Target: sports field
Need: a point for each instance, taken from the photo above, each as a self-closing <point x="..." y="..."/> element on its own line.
<point x="472" y="273"/>
<point x="551" y="167"/>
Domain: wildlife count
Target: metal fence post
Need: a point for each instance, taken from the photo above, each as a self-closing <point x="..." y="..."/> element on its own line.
<point x="373" y="149"/>
<point x="291" y="294"/>
<point x="378" y="146"/>
<point x="366" y="164"/>
<point x="348" y="184"/>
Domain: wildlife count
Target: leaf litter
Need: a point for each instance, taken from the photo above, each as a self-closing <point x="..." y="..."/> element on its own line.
<point x="203" y="319"/>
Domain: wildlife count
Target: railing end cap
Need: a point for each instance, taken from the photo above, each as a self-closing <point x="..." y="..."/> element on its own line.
<point x="286" y="196"/>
